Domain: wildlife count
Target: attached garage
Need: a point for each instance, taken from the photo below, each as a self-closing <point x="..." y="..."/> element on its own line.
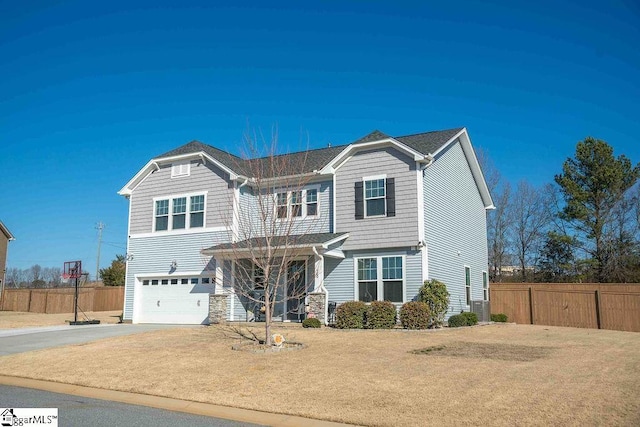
<point x="179" y="300"/>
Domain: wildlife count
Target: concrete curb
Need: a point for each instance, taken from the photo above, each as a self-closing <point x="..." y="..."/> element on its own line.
<point x="196" y="408"/>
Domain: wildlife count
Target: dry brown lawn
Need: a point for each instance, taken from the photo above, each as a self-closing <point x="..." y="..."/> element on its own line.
<point x="19" y="319"/>
<point x="501" y="374"/>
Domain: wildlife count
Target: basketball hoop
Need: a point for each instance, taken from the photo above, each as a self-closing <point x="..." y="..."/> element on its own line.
<point x="72" y="270"/>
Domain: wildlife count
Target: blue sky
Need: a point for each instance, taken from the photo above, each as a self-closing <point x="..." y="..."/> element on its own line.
<point x="90" y="91"/>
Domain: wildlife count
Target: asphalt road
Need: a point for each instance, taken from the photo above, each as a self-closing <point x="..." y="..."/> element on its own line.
<point x="81" y="411"/>
<point x="27" y="339"/>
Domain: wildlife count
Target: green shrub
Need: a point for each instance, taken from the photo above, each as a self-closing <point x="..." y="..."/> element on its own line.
<point x="470" y="318"/>
<point x="499" y="317"/>
<point x="380" y="315"/>
<point x="415" y="315"/>
<point x="350" y="315"/>
<point x="311" y="322"/>
<point x="435" y="294"/>
<point x="457" y="320"/>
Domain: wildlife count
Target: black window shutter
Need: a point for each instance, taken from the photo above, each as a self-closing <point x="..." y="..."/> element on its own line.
<point x="359" y="200"/>
<point x="391" y="197"/>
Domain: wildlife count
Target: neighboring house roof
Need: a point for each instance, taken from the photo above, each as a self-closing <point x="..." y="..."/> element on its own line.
<point x="303" y="240"/>
<point x="6" y="231"/>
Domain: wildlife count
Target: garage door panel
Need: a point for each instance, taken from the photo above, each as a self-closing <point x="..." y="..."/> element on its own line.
<point x="180" y="304"/>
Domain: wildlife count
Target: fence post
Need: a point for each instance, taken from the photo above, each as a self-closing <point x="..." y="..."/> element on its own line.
<point x="531" y="312"/>
<point x="598" y="309"/>
<point x="29" y="305"/>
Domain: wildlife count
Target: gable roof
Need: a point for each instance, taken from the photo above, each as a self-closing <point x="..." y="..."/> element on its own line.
<point x="314" y="159"/>
<point x="422" y="146"/>
<point x="6" y="231"/>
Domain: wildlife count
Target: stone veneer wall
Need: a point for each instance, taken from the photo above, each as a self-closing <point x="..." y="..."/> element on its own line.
<point x="217" y="309"/>
<point x="316" y="306"/>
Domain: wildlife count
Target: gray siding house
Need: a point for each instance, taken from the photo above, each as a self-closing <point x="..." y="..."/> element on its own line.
<point x="376" y="218"/>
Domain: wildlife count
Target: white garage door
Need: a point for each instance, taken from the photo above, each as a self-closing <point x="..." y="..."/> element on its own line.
<point x="175" y="300"/>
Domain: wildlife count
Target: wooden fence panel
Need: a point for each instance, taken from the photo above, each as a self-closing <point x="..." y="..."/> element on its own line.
<point x="582" y="305"/>
<point x="108" y="298"/>
<point x="514" y="302"/>
<point x="565" y="308"/>
<point x="620" y="311"/>
<point x="38" y="301"/>
<point x="16" y="300"/>
<point x="60" y="300"/>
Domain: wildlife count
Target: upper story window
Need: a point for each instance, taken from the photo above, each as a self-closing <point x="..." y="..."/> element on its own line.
<point x="375" y="197"/>
<point x="180" y="169"/>
<point x="186" y="212"/>
<point x="297" y="203"/>
<point x="312" y="202"/>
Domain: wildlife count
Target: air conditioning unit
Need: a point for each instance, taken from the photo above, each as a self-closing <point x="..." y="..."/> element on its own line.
<point x="482" y="309"/>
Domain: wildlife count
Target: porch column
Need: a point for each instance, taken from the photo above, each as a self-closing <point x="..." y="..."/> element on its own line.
<point x="318" y="273"/>
<point x="217" y="309"/>
<point x="219" y="276"/>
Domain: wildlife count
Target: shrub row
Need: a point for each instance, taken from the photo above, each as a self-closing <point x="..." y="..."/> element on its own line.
<point x="311" y="322"/>
<point x="463" y="319"/>
<point x="499" y="317"/>
<point x="358" y="315"/>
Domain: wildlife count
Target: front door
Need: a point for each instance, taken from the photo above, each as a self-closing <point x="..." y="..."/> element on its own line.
<point x="296" y="290"/>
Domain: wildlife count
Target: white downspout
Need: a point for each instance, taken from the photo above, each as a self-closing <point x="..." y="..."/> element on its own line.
<point x="322" y="288"/>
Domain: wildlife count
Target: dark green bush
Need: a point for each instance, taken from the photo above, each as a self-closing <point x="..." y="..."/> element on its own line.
<point x="311" y="322"/>
<point x="457" y="320"/>
<point x="415" y="315"/>
<point x="499" y="317"/>
<point x="471" y="318"/>
<point x="435" y="294"/>
<point x="380" y="315"/>
<point x="350" y="315"/>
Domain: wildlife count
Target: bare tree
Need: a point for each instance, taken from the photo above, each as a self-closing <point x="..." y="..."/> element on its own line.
<point x="274" y="211"/>
<point x="13" y="277"/>
<point x="497" y="219"/>
<point x="529" y="219"/>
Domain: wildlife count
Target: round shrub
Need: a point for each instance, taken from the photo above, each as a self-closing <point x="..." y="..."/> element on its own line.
<point x="380" y="315"/>
<point x="435" y="294"/>
<point x="470" y="318"/>
<point x="350" y="315"/>
<point x="457" y="320"/>
<point x="311" y="322"/>
<point x="499" y="317"/>
<point x="415" y="315"/>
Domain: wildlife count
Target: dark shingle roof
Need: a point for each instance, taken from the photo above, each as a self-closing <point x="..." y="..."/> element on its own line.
<point x="314" y="159"/>
<point x="312" y="239"/>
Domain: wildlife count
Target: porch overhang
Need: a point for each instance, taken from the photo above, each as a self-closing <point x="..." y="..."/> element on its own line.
<point x="298" y="245"/>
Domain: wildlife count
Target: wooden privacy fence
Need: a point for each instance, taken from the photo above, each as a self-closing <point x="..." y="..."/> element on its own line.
<point x="580" y="305"/>
<point x="60" y="300"/>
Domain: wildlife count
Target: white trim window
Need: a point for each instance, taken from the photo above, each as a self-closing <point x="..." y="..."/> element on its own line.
<point x="375" y="203"/>
<point x="380" y="278"/>
<point x="161" y="217"/>
<point x="467" y="284"/>
<point x="180" y="169"/>
<point x="297" y="203"/>
<point x="485" y="285"/>
<point x="312" y="201"/>
<point x="187" y="211"/>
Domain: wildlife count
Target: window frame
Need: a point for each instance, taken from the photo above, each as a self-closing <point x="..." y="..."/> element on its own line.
<point x="467" y="285"/>
<point x="187" y="213"/>
<point x="290" y="206"/>
<point x="380" y="280"/>
<point x="485" y="285"/>
<point x="365" y="199"/>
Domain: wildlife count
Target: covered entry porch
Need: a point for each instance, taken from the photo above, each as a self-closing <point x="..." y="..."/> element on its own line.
<point x="286" y="270"/>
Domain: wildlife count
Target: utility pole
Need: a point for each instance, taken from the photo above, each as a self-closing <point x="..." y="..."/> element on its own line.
<point x="99" y="227"/>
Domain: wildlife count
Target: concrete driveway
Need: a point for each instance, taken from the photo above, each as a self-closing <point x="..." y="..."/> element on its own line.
<point x="21" y="340"/>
